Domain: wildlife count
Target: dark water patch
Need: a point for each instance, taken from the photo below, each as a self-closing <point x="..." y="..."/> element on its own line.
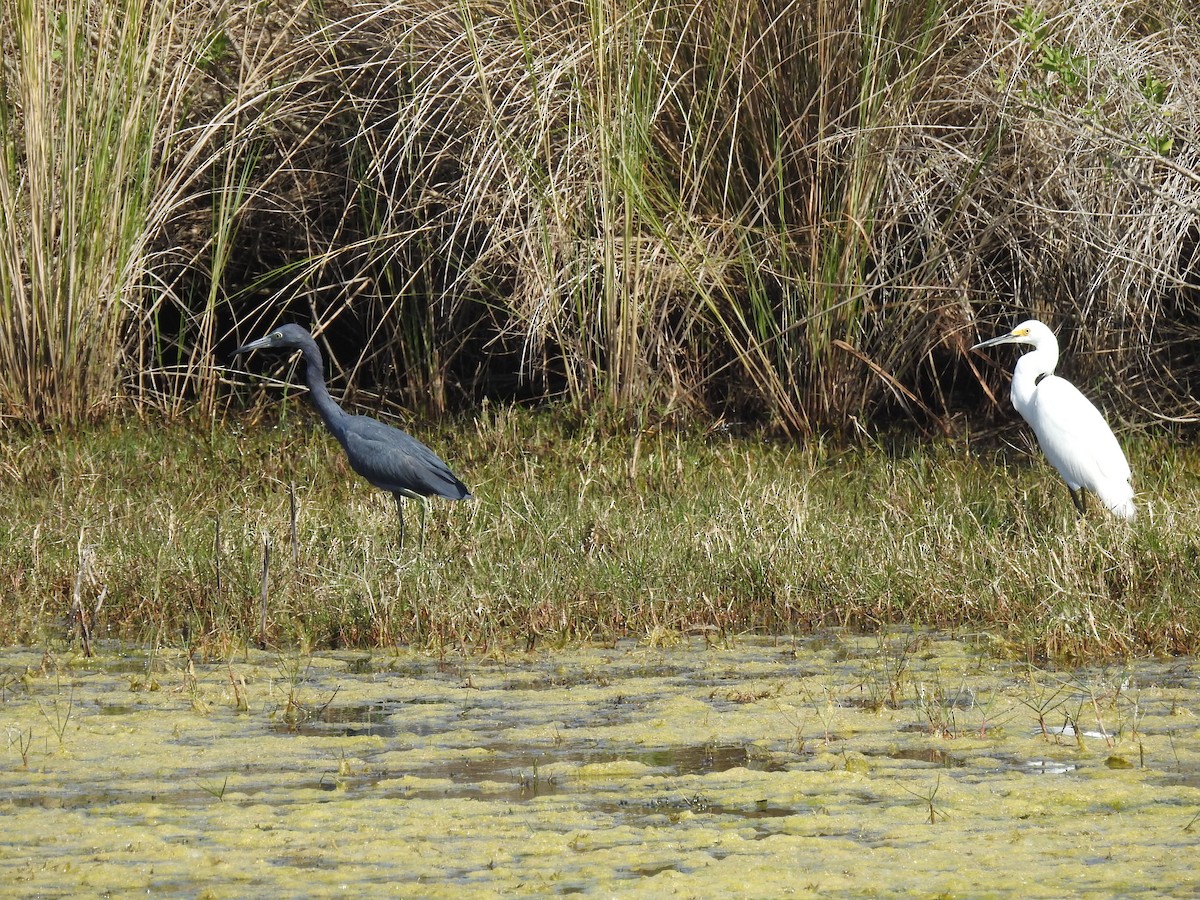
<point x="380" y="718"/>
<point x="129" y="666"/>
<point x="528" y="783"/>
<point x="358" y="720"/>
<point x="1184" y="681"/>
<point x="703" y="759"/>
<point x="677" y="811"/>
<point x="65" y="799"/>
<point x="961" y="700"/>
<point x="1182" y="779"/>
<point x="999" y="763"/>
<point x="535" y="682"/>
<point x="868" y="702"/>
<point x="698" y="803"/>
<point x="188" y="794"/>
<point x="301" y="861"/>
<point x="120" y="709"/>
<point x="516" y="766"/>
<point x="361" y="665"/>
<point x="651" y="871"/>
<point x="932" y="755"/>
<point x="1045" y="767"/>
<point x="529" y="777"/>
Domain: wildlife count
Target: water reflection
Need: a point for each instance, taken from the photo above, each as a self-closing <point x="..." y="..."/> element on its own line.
<point x="342" y="721"/>
<point x="932" y="755"/>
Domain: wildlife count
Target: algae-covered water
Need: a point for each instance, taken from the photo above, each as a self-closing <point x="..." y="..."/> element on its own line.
<point x="900" y="765"/>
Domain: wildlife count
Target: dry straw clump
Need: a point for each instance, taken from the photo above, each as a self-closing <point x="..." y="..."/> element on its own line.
<point x="792" y="210"/>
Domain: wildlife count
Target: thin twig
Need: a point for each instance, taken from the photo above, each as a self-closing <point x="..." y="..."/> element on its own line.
<point x="262" y="609"/>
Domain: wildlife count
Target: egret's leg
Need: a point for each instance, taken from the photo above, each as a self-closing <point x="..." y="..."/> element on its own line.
<point x="400" y="513"/>
<point x="1077" y="496"/>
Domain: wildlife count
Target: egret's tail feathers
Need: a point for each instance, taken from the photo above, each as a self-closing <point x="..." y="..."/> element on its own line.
<point x="1119" y="500"/>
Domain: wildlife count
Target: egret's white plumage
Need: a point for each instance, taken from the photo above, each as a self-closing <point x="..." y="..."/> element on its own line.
<point x="1071" y="431"/>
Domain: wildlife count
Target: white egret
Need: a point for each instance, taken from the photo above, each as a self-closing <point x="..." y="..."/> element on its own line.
<point x="1070" y="430"/>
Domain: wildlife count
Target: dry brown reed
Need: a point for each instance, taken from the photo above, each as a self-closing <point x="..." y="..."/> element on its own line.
<point x="788" y="211"/>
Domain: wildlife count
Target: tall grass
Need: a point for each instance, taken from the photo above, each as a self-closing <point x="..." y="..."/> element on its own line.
<point x="791" y="211"/>
<point x="663" y="203"/>
<point x="80" y="122"/>
<point x="794" y="210"/>
<point x="137" y="143"/>
<point x="232" y="222"/>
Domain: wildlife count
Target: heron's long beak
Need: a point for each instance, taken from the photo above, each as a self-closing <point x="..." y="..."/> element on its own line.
<point x="1009" y="338"/>
<point x="253" y="345"/>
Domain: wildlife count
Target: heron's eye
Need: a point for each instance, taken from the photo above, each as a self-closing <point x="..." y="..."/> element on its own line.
<point x="278" y="336"/>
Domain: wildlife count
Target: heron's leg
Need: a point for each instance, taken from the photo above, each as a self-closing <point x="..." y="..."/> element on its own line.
<point x="400" y="513"/>
<point x="1077" y="496"/>
<point x="424" y="510"/>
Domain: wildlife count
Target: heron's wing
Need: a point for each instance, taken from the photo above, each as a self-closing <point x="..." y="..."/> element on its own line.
<point x="1075" y="437"/>
<point x="396" y="461"/>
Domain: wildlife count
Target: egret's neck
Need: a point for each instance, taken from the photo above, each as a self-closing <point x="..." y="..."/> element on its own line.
<point x="1029" y="369"/>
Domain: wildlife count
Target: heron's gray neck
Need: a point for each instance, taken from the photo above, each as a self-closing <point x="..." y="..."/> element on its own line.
<point x="318" y="393"/>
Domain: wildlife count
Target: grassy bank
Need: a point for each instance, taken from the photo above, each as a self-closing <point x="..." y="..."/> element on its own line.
<point x="579" y="534"/>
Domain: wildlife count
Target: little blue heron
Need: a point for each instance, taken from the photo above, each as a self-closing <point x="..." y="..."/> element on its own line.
<point x="387" y="457"/>
<point x="1071" y="431"/>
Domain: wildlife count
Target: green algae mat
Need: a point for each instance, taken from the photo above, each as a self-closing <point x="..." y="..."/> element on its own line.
<point x="898" y="765"/>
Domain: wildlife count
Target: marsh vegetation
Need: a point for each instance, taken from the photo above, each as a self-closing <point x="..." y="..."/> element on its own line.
<point x="734" y="255"/>
<point x="762" y="576"/>
<point x="581" y="533"/>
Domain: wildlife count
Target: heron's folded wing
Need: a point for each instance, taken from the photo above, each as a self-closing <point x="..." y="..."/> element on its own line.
<point x="396" y="461"/>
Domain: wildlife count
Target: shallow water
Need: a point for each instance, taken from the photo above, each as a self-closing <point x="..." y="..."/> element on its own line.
<point x="906" y="765"/>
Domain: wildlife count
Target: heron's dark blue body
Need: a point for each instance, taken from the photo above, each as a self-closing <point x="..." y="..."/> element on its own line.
<point x="387" y="457"/>
<point x="395" y="461"/>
